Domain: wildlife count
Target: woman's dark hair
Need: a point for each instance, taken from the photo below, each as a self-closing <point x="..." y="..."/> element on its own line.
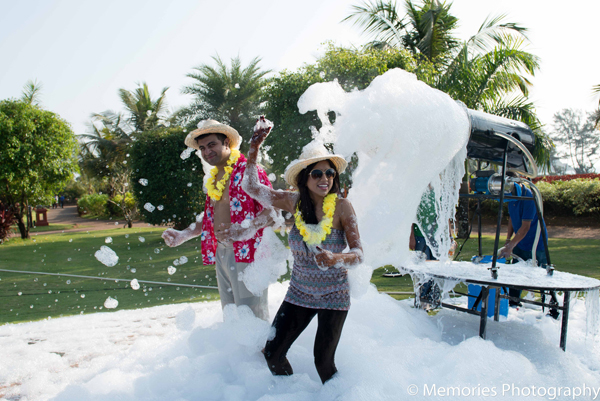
<point x="305" y="203"/>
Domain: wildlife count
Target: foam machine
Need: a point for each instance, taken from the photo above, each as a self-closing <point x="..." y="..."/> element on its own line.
<point x="507" y="143"/>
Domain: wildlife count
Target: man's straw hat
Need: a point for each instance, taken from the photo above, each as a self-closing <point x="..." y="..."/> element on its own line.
<point x="312" y="153"/>
<point x="213" y="127"/>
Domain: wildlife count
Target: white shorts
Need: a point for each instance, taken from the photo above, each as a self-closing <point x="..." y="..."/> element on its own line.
<point x="232" y="289"/>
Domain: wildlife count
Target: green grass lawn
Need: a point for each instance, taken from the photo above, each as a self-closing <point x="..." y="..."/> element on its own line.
<point x="577" y="256"/>
<point x="50" y="227"/>
<point x="26" y="297"/>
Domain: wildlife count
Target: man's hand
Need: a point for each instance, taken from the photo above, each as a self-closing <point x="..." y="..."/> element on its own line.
<point x="172" y="237"/>
<point x="506" y="251"/>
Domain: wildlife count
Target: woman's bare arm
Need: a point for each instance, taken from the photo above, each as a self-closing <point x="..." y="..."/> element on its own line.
<point x="246" y="230"/>
<point x="252" y="185"/>
<point x="350" y="225"/>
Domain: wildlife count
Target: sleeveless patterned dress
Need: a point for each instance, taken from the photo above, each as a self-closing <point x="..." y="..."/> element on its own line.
<point x="311" y="287"/>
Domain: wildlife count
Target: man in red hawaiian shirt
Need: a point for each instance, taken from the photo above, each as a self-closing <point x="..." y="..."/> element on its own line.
<point x="232" y="225"/>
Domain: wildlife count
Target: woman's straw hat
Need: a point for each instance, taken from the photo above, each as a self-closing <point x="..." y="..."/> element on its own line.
<point x="312" y="153"/>
<point x="213" y="127"/>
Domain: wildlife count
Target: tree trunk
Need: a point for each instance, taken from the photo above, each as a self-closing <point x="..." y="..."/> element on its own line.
<point x="22" y="227"/>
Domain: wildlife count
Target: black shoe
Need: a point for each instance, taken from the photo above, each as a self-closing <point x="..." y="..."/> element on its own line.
<point x="513" y="304"/>
<point x="554" y="314"/>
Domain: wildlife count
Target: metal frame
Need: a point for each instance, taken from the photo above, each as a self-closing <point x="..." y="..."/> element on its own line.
<point x="483" y="297"/>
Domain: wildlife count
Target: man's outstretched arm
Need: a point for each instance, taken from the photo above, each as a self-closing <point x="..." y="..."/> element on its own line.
<point x="174" y="237"/>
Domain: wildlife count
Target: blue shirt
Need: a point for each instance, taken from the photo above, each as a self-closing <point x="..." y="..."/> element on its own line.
<point x="525" y="210"/>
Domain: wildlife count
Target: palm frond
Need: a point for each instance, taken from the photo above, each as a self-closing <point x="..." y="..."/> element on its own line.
<point x="493" y="33"/>
<point x="32" y="91"/>
<point x="379" y="19"/>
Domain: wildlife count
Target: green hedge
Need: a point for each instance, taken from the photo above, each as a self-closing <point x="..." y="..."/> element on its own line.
<point x="173" y="186"/>
<point x="94" y="204"/>
<point x="579" y="197"/>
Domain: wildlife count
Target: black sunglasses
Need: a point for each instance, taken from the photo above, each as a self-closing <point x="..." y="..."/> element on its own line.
<point x="316" y="174"/>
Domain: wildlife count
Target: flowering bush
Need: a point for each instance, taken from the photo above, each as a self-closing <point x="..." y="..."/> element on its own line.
<point x="553" y="178"/>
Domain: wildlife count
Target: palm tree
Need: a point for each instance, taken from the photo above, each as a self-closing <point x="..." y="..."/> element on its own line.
<point x="431" y="32"/>
<point x="145" y="113"/>
<point x="103" y="153"/>
<point x="489" y="72"/>
<point x="103" y="158"/>
<point x="380" y="19"/>
<point x="228" y="94"/>
<point x="32" y="92"/>
<point x="426" y="31"/>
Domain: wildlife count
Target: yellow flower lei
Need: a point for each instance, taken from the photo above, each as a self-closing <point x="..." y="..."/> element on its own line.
<point x="315" y="234"/>
<point x="216" y="193"/>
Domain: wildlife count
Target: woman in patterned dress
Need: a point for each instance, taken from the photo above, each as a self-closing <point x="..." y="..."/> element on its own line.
<point x="319" y="282"/>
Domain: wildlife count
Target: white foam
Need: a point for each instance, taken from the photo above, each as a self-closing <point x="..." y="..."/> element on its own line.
<point x="405" y="135"/>
<point x="185" y="319"/>
<point x="111" y="303"/>
<point x="187" y="153"/>
<point x="168" y="352"/>
<point x="106" y="256"/>
<point x="270" y="262"/>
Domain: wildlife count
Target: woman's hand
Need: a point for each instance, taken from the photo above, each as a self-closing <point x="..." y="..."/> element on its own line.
<point x="261" y="130"/>
<point x="325" y="258"/>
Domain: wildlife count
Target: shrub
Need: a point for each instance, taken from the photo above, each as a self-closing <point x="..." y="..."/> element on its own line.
<point x="94" y="204"/>
<point x="6" y="222"/>
<point x="129" y="200"/>
<point x="575" y="197"/>
<point x="126" y="205"/>
<point x="73" y="190"/>
<point x="173" y="183"/>
<point x="579" y="197"/>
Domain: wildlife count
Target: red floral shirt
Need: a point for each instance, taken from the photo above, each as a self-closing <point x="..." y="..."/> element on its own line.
<point x="242" y="207"/>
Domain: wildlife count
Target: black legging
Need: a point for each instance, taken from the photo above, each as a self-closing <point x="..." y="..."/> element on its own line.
<point x="290" y="321"/>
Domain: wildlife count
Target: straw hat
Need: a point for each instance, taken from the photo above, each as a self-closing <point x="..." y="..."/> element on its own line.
<point x="312" y="153"/>
<point x="213" y="127"/>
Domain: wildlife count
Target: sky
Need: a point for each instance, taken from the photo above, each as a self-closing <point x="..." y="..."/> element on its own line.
<point x="83" y="52"/>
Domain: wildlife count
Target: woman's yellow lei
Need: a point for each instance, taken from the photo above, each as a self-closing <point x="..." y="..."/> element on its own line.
<point x="315" y="234"/>
<point x="216" y="193"/>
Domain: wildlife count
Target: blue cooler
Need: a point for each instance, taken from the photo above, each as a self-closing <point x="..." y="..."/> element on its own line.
<point x="474" y="290"/>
